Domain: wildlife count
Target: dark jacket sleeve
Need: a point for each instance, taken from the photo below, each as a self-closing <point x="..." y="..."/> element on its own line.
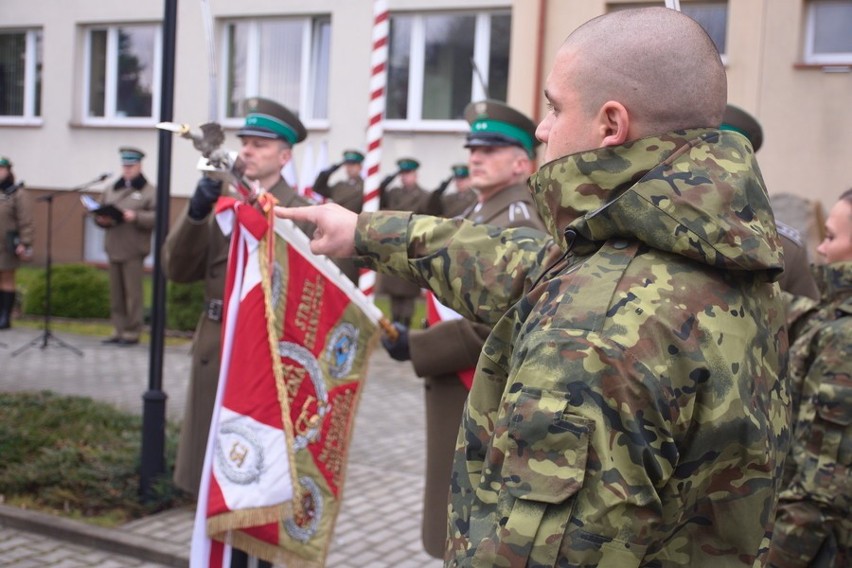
<point x="447" y="347"/>
<point x="185" y="249"/>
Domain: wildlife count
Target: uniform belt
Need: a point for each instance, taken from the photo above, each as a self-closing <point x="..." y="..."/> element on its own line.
<point x="213" y="310"/>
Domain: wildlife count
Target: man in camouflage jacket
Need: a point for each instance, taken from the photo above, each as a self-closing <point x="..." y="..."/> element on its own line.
<point x="629" y="407"/>
<point x="813" y="524"/>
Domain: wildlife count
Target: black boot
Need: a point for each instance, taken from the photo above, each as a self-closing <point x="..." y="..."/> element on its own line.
<point x="7" y="302"/>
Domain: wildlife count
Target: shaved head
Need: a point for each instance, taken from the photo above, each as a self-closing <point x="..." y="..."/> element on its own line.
<point x="660" y="64"/>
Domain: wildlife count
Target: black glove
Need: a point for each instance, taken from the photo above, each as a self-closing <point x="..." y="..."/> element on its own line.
<point x="333" y="168"/>
<point x="398" y="350"/>
<point x="387" y="181"/>
<point x="444" y="185"/>
<point x="206" y="193"/>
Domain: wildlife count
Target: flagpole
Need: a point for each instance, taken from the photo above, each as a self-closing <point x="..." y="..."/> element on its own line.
<point x="375" y="127"/>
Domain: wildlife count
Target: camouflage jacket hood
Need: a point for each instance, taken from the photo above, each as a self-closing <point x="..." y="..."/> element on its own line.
<point x="684" y="193"/>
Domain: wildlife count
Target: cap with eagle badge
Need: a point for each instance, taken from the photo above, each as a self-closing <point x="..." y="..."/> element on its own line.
<point x="268" y="119"/>
<point x="5" y="162"/>
<point x="130" y="155"/>
<point x="738" y="120"/>
<point x="460" y="170"/>
<point x="493" y="123"/>
<point x="407" y="164"/>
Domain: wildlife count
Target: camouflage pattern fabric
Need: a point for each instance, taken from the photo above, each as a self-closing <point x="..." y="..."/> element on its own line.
<point x="629" y="407"/>
<point x="814" y="524"/>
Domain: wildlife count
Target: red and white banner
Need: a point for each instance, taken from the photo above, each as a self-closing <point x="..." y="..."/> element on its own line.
<point x="296" y="341"/>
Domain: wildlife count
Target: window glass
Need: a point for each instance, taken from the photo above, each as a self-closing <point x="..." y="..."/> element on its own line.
<point x="438" y="62"/>
<point x="399" y="66"/>
<point x="447" y="65"/>
<point x="135" y="79"/>
<point x="12" y="68"/>
<point x="266" y="58"/>
<point x="832" y="27"/>
<point x="97" y="72"/>
<point x="498" y="63"/>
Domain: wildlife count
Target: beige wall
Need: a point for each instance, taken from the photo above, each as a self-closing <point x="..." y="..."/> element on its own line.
<point x="805" y="112"/>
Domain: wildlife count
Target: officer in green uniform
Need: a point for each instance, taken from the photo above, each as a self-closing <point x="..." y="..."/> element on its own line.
<point x="443" y="204"/>
<point x="796" y="279"/>
<point x="629" y="407"/>
<point x="502" y="149"/>
<point x="814" y="519"/>
<point x="348" y="192"/>
<point x="16" y="236"/>
<point x="127" y="243"/>
<point x="196" y="249"/>
<point x="408" y="196"/>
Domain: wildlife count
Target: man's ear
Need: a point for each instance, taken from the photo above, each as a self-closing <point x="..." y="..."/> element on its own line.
<point x="614" y="123"/>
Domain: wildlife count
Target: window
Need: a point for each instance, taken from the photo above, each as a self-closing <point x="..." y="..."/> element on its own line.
<point x="438" y="63"/>
<point x="711" y="14"/>
<point x="122" y="74"/>
<point x="20" y="75"/>
<point x="828" y="38"/>
<point x="283" y="59"/>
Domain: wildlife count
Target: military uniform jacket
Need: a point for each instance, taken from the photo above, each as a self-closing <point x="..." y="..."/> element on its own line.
<point x="449" y="205"/>
<point x="198" y="250"/>
<point x="348" y="193"/>
<point x="458" y="341"/>
<point x="15" y="217"/>
<point x="628" y="408"/>
<point x="820" y="371"/>
<point x="128" y="240"/>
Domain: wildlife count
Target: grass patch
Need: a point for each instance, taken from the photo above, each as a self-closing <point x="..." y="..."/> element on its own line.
<point x="78" y="458"/>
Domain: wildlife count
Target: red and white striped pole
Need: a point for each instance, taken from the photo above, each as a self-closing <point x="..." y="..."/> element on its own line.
<point x="375" y="126"/>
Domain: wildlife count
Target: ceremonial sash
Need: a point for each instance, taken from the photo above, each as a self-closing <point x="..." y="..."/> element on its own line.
<point x="437" y="312"/>
<point x="296" y="341"/>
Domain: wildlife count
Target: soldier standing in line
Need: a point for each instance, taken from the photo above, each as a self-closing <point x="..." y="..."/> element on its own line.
<point x="16" y="232"/>
<point x="796" y="279"/>
<point x="502" y="149"/>
<point x="127" y="242"/>
<point x="408" y="196"/>
<point x="442" y="204"/>
<point x="629" y="407"/>
<point x="813" y="525"/>
<point x="348" y="193"/>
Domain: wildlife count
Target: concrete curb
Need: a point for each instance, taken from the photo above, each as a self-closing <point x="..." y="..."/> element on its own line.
<point x="111" y="540"/>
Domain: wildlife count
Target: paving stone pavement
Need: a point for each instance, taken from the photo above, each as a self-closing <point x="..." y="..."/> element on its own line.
<point x="379" y="521"/>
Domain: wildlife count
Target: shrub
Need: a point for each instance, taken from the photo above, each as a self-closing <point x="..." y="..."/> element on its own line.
<point x="184" y="303"/>
<point x="77" y="291"/>
<point x="79" y="457"/>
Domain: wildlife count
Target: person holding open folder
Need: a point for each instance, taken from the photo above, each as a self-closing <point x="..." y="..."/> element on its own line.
<point x="127" y="243"/>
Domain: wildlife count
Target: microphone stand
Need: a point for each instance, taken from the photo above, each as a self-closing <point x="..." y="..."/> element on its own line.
<point x="46" y="335"/>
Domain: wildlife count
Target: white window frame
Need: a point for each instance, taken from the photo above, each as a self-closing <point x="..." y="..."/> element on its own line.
<point x="812" y="57"/>
<point x="252" y="79"/>
<point x="110" y="96"/>
<point x="481" y="54"/>
<point x="28" y="118"/>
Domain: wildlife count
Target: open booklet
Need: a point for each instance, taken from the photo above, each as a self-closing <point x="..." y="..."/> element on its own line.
<point x="96" y="208"/>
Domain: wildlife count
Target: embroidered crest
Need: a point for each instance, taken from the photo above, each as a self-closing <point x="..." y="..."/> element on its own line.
<point x="341" y="350"/>
<point x="307" y="426"/>
<point x="303" y="527"/>
<point x="239" y="452"/>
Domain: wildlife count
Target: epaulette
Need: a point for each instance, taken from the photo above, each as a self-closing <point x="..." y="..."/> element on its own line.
<point x="787" y="231"/>
<point x="519" y="208"/>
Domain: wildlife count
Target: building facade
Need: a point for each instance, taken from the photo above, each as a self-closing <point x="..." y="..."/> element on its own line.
<point x="80" y="78"/>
